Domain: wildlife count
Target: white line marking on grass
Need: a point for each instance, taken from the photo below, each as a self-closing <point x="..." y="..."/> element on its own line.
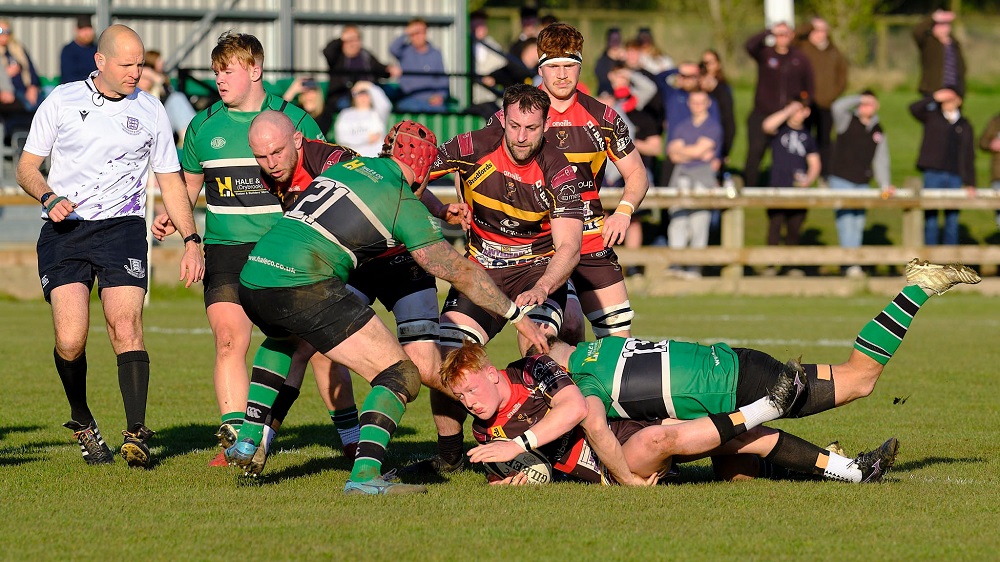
<point x="738" y="342"/>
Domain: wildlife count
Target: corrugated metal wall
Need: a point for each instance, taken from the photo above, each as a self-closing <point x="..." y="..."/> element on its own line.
<point x="45" y="26"/>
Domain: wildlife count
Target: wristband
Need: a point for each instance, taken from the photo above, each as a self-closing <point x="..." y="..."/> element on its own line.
<point x="527" y="441"/>
<point x="193" y="238"/>
<point x="54" y="202"/>
<point x="621" y="205"/>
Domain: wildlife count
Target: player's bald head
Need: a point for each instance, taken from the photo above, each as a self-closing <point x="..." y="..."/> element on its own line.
<point x="117" y="36"/>
<point x="272" y="123"/>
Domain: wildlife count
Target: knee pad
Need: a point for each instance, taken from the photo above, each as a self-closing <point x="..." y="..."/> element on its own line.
<point x="821" y="393"/>
<point x="607" y="321"/>
<point x="548" y="315"/>
<point x="452" y="335"/>
<point x="571" y="291"/>
<point x="402" y="377"/>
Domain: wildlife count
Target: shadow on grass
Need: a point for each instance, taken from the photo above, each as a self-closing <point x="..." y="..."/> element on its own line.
<point x="9" y="429"/>
<point x="29" y="452"/>
<point x="931" y="461"/>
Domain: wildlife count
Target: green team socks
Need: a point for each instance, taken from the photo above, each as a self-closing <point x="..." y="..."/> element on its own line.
<point x="380" y="413"/>
<point x="270" y="368"/>
<point x="881" y="337"/>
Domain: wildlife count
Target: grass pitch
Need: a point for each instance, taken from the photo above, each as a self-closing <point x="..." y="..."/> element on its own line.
<point x="940" y="502"/>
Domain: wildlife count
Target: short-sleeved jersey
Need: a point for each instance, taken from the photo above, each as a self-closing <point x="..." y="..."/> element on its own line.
<point x="643" y="380"/>
<point x="240" y="207"/>
<point x="588" y="133"/>
<point x="512" y="205"/>
<point x="351" y="213"/>
<point x="102" y="150"/>
<point x="788" y="154"/>
<point x="534" y="381"/>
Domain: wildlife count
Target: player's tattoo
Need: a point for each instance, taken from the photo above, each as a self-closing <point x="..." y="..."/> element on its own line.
<point x="443" y="262"/>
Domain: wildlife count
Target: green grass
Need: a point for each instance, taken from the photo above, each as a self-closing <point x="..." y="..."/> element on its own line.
<point x="939" y="502"/>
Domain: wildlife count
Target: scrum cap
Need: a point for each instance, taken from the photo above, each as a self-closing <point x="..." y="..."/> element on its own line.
<point x="414" y="145"/>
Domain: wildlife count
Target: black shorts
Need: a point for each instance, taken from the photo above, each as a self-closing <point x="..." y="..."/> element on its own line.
<point x="112" y="251"/>
<point x="223" y="265"/>
<point x="597" y="271"/>
<point x="390" y="278"/>
<point x="512" y="281"/>
<point x="757" y="372"/>
<point x="323" y="314"/>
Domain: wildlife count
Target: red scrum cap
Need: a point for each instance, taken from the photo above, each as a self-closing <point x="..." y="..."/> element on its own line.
<point x="413" y="145"/>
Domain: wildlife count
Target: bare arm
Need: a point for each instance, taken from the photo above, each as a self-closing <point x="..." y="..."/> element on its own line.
<point x="29" y="177"/>
<point x="636" y="185"/>
<point x="774" y="121"/>
<point x="175" y="199"/>
<point x="567" y="235"/>
<point x="813" y="168"/>
<point x="567" y="409"/>
<point x="606" y="445"/>
<point x="163" y="226"/>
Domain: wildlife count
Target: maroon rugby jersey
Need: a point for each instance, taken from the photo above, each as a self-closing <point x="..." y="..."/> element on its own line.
<point x="534" y="381"/>
<point x="511" y="205"/>
<point x="588" y="133"/>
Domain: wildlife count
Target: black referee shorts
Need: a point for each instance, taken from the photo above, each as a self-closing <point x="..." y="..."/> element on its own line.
<point x="112" y="251"/>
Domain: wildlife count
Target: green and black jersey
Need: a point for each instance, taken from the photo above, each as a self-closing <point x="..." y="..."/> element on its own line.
<point x="353" y="212"/>
<point x="642" y="380"/>
<point x="240" y="207"/>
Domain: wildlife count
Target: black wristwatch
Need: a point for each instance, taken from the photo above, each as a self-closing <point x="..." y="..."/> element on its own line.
<point x="193" y="238"/>
<point x="46" y="197"/>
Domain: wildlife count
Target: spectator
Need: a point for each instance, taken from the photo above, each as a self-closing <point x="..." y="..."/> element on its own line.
<point x="153" y="81"/>
<point x="677" y="84"/>
<point x="990" y="142"/>
<point x="830" y="74"/>
<point x="306" y="92"/>
<point x="795" y="163"/>
<point x="941" y="62"/>
<point x="646" y="114"/>
<point x="861" y="151"/>
<point x="349" y="63"/>
<point x="529" y="59"/>
<point x="784" y="75"/>
<point x="947" y="157"/>
<point x="530" y="26"/>
<point x="493" y="67"/>
<point x="423" y="83"/>
<point x="76" y="61"/>
<point x="363" y="125"/>
<point x="694" y="151"/>
<point x="20" y="69"/>
<point x="713" y="81"/>
<point x="613" y="52"/>
<point x="652" y="58"/>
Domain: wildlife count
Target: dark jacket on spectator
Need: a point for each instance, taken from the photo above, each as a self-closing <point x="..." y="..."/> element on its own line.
<point x="345" y="72"/>
<point x="991" y="132"/>
<point x="780" y="78"/>
<point x="932" y="60"/>
<point x="947" y="147"/>
<point x="829" y="70"/>
<point x="722" y="97"/>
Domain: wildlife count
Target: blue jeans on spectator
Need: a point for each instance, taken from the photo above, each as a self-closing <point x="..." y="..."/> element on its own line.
<point x="850" y="222"/>
<point x="939" y="179"/>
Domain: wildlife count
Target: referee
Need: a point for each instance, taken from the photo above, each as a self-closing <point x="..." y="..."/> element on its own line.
<point x="103" y="136"/>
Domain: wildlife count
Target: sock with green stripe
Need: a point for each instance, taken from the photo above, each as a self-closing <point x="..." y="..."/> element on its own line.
<point x="347" y="424"/>
<point x="380" y="413"/>
<point x="234" y="419"/>
<point x="270" y="368"/>
<point x="881" y="337"/>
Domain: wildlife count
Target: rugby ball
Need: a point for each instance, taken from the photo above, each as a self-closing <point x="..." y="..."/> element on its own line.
<point x="533" y="464"/>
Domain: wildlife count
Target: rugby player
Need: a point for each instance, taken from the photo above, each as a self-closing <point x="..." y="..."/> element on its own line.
<point x="525" y="233"/>
<point x="294" y="284"/>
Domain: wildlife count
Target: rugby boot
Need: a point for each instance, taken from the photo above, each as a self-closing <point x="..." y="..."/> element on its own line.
<point x="434" y="465"/>
<point x="385" y="485"/>
<point x="227" y="435"/>
<point x="835" y="448"/>
<point x="791" y="384"/>
<point x="939" y="278"/>
<point x="240" y="454"/>
<point x="876" y="463"/>
<point x="135" y="450"/>
<point x="256" y="464"/>
<point x="92" y="445"/>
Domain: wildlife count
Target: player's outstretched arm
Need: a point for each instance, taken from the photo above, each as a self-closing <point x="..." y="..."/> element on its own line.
<point x="442" y="261"/>
<point x="567" y="236"/>
<point x="636" y="184"/>
<point x="606" y="446"/>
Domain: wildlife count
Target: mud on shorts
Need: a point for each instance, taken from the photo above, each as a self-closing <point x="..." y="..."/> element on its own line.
<point x="324" y="313"/>
<point x="512" y="281"/>
<point x="223" y="264"/>
<point x="405" y="289"/>
<point x="112" y="251"/>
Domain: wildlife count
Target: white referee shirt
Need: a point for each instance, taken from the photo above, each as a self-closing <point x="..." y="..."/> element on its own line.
<point x="102" y="150"/>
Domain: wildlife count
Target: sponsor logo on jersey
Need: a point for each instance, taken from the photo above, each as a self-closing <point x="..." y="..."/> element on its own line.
<point x="225" y="186"/>
<point x="496" y="432"/>
<point x="566" y="123"/>
<point x="83" y="115"/>
<point x="595" y="135"/>
<point x="562" y="176"/>
<point x="512" y="175"/>
<point x="481" y="174"/>
<point x="609" y="114"/>
<point x="505" y="251"/>
<point x="510" y="223"/>
<point x="568" y="194"/>
<point x="218" y="142"/>
<point x="465" y="147"/>
<point x="135" y="269"/>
